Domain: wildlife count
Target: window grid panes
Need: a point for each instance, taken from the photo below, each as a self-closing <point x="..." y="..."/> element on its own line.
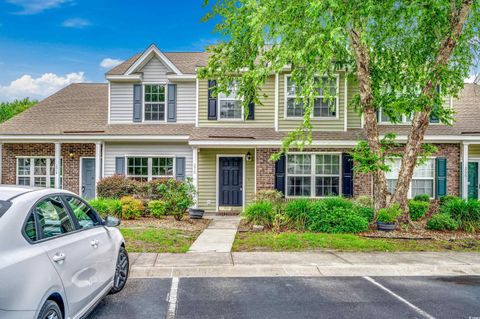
<point x="422" y="180"/>
<point x="154" y="102"/>
<point x="148" y="168"/>
<point x="318" y="172"/>
<point x="322" y="107"/>
<point x="230" y="105"/>
<point x="38" y="172"/>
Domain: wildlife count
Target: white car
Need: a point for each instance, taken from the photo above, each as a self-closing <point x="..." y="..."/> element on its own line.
<point x="58" y="258"/>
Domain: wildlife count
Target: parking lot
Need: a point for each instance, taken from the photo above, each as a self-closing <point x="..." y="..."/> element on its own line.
<point x="286" y="297"/>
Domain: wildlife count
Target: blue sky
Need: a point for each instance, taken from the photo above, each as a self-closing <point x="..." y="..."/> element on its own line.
<point x="47" y="44"/>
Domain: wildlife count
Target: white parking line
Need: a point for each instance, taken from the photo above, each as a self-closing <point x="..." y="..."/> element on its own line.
<point x="172" y="299"/>
<point x="418" y="310"/>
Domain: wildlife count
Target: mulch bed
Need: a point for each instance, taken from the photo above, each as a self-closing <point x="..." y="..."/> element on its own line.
<point x="168" y="222"/>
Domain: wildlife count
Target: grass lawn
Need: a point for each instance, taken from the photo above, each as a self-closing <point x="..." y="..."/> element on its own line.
<point x="161" y="236"/>
<point x="292" y="241"/>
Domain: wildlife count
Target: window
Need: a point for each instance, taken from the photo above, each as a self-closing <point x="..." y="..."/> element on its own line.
<point x="85" y="215"/>
<point x="230" y="105"/>
<point x="322" y="107"/>
<point x="422" y="180"/>
<point x="37" y="171"/>
<point x="320" y="172"/>
<point x="30" y="229"/>
<point x="148" y="168"/>
<point x="53" y="217"/>
<point x="154" y="107"/>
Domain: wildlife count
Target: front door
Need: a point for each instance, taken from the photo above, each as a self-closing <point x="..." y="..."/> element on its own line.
<point x="230" y="181"/>
<point x="88" y="178"/>
<point x="473" y="180"/>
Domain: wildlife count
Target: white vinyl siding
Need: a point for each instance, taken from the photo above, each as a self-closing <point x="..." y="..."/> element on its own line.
<point x="113" y="150"/>
<point x="121" y="102"/>
<point x="186" y="102"/>
<point x="155" y="71"/>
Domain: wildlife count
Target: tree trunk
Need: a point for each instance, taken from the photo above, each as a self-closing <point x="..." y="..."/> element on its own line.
<point x="421" y="119"/>
<point x="362" y="58"/>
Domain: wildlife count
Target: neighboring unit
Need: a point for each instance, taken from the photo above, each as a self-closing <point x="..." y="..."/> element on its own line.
<point x="155" y="118"/>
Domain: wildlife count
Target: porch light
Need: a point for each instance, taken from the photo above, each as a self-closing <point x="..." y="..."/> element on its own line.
<point x="71" y="153"/>
<point x="248" y="157"/>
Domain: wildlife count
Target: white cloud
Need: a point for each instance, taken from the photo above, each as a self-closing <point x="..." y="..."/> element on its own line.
<point x="37" y="6"/>
<point x="38" y="88"/>
<point x="472" y="78"/>
<point x="77" y="23"/>
<point x="109" y="63"/>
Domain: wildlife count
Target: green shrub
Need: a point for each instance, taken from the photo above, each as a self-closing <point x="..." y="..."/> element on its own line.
<point x="332" y="202"/>
<point x="389" y="214"/>
<point x="418" y="209"/>
<point x="364" y="211"/>
<point x="107" y="206"/>
<point x="132" y="208"/>
<point x="422" y="198"/>
<point x="117" y="187"/>
<point x="297" y="212"/>
<point x="337" y="220"/>
<point x="366" y="201"/>
<point x="157" y="208"/>
<point x="445" y="199"/>
<point x="177" y="195"/>
<point x="442" y="222"/>
<point x="260" y="213"/>
<point x="271" y="195"/>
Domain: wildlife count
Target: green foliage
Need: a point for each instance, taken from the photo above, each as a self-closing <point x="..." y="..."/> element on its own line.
<point x="364" y="211"/>
<point x="389" y="214"/>
<point x="466" y="213"/>
<point x="157" y="208"/>
<point x="117" y="186"/>
<point x="338" y="220"/>
<point x="422" y="198"/>
<point x="132" y="208"/>
<point x="178" y="196"/>
<point x="271" y="195"/>
<point x="10" y="109"/>
<point x="107" y="206"/>
<point x="260" y="213"/>
<point x="418" y="209"/>
<point x="442" y="222"/>
<point x="364" y="200"/>
<point x="445" y="199"/>
<point x="297" y="212"/>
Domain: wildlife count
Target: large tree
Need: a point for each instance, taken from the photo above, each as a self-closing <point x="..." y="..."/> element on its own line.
<point x="406" y="56"/>
<point x="10" y="109"/>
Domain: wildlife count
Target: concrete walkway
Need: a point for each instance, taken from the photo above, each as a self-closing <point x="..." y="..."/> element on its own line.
<point x="264" y="264"/>
<point x="218" y="236"/>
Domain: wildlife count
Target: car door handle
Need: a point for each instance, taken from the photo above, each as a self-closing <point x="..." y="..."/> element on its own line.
<point x="59" y="257"/>
<point x="94" y="243"/>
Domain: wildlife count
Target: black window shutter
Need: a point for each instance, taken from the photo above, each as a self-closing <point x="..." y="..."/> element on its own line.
<point x="280" y="169"/>
<point x="251" y="111"/>
<point x="137" y="102"/>
<point x="120" y="165"/>
<point x="441" y="177"/>
<point x="180" y="168"/>
<point x="212" y="100"/>
<point x="347" y="175"/>
<point x="172" y="103"/>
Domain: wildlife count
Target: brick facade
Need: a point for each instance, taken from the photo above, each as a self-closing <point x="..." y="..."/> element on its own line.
<point x="362" y="183"/>
<point x="71" y="164"/>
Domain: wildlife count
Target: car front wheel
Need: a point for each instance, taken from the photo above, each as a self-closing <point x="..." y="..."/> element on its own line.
<point x="121" y="271"/>
<point x="50" y="310"/>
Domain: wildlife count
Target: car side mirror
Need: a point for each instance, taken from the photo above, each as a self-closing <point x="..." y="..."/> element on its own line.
<point x="111" y="221"/>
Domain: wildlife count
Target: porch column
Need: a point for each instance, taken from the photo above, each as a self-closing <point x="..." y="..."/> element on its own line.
<point x="98" y="164"/>
<point x="465" y="171"/>
<point x="195" y="173"/>
<point x="1" y="162"/>
<point x="58" y="159"/>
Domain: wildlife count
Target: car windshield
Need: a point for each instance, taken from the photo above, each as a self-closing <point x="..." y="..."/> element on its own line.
<point x="4" y="206"/>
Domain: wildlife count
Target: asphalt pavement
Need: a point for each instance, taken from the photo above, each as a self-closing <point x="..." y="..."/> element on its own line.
<point x="295" y="297"/>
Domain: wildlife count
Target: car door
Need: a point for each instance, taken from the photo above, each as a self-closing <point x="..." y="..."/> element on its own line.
<point x="69" y="250"/>
<point x="103" y="253"/>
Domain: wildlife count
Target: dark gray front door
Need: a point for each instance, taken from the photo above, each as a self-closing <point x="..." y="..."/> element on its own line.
<point x="230" y="181"/>
<point x="88" y="178"/>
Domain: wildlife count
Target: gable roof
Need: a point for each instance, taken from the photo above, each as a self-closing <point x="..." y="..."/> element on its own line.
<point x="185" y="62"/>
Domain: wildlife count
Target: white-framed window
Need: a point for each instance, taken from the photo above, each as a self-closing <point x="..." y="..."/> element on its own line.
<point x="423" y="180"/>
<point x="313" y="175"/>
<point x="230" y="105"/>
<point x="322" y="108"/>
<point x="149" y="168"/>
<point x="154" y="103"/>
<point x="37" y="171"/>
